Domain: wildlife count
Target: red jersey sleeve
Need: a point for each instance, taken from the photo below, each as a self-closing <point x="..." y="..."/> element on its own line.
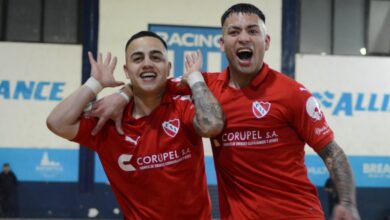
<point x="173" y="83"/>
<point x="84" y="136"/>
<point x="308" y="119"/>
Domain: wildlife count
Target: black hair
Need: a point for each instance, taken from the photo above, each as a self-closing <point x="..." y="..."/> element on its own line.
<point x="242" y="8"/>
<point x="145" y="34"/>
<point x="6" y="165"/>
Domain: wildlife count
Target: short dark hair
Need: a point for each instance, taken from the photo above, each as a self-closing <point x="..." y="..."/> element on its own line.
<point x="145" y="34"/>
<point x="6" y="165"/>
<point x="242" y="8"/>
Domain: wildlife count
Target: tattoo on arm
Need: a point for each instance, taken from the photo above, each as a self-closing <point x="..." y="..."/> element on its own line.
<point x="340" y="172"/>
<point x="209" y="116"/>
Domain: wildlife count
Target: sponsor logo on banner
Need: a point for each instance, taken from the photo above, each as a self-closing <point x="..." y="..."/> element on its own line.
<point x="260" y="109"/>
<point x="377" y="170"/>
<point x="349" y="103"/>
<point x="317" y="170"/>
<point x="182" y="40"/>
<point x="313" y="109"/>
<point x="369" y="171"/>
<point x="152" y="161"/>
<point x="171" y="127"/>
<point x="31" y="90"/>
<point x="49" y="168"/>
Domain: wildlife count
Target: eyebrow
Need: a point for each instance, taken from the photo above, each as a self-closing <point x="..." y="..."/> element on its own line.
<point x="138" y="53"/>
<point x="253" y="26"/>
<point x="239" y="27"/>
<point x="156" y="52"/>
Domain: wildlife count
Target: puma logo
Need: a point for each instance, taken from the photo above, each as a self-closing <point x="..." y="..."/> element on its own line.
<point x="131" y="140"/>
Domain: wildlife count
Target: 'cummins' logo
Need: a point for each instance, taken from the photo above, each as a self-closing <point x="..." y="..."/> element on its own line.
<point x="171" y="127"/>
<point x="124" y="162"/>
<point x="260" y="109"/>
<point x="313" y="108"/>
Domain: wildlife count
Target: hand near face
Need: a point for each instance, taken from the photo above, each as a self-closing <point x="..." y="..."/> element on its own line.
<point x="103" y="71"/>
<point x="109" y="107"/>
<point x="193" y="63"/>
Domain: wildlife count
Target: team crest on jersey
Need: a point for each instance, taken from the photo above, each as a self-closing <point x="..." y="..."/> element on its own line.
<point x="171" y="127"/>
<point x="260" y="109"/>
<point x="313" y="108"/>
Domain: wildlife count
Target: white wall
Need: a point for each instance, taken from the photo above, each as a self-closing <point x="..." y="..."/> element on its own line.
<point x="357" y="102"/>
<point x="50" y="71"/>
<point x="35" y="77"/>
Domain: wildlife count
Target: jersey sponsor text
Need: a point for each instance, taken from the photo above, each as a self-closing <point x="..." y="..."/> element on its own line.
<point x="248" y="138"/>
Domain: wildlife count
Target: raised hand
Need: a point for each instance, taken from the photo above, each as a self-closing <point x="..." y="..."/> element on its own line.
<point x="193" y="63"/>
<point x="103" y="71"/>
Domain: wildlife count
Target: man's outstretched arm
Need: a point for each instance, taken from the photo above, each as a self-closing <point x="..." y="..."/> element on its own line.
<point x="341" y="174"/>
<point x="64" y="118"/>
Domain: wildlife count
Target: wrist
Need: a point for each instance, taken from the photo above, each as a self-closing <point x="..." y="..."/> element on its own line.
<point x="346" y="203"/>
<point x="195" y="77"/>
<point x="124" y="95"/>
<point x="127" y="90"/>
<point x="94" y="85"/>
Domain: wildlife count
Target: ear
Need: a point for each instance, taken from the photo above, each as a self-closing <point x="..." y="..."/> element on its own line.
<point x="126" y="70"/>
<point x="169" y="68"/>
<point x="267" y="41"/>
<point x="222" y="44"/>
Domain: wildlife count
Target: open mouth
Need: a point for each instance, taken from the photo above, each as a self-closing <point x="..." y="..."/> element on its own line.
<point x="148" y="76"/>
<point x="244" y="54"/>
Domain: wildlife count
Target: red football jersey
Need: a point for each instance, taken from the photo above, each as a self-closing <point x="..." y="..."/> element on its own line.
<point x="259" y="157"/>
<point x="157" y="168"/>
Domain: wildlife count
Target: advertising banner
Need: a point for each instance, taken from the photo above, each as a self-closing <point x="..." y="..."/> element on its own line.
<point x="354" y="94"/>
<point x="33" y="79"/>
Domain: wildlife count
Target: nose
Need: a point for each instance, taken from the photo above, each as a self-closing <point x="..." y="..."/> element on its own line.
<point x="148" y="63"/>
<point x="243" y="37"/>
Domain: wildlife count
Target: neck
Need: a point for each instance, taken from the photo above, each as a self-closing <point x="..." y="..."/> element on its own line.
<point x="239" y="80"/>
<point x="145" y="104"/>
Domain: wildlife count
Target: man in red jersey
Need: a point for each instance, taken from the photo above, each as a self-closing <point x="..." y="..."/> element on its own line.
<point x="259" y="157"/>
<point x="156" y="168"/>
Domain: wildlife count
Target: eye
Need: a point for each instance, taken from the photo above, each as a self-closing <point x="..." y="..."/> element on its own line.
<point x="233" y="32"/>
<point x="253" y="31"/>
<point x="137" y="59"/>
<point x="156" y="58"/>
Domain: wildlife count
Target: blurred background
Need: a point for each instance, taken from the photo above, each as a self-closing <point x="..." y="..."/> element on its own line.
<point x="339" y="49"/>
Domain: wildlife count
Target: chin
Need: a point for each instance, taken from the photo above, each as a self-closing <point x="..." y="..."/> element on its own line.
<point x="246" y="70"/>
<point x="150" y="89"/>
<point x="153" y="89"/>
